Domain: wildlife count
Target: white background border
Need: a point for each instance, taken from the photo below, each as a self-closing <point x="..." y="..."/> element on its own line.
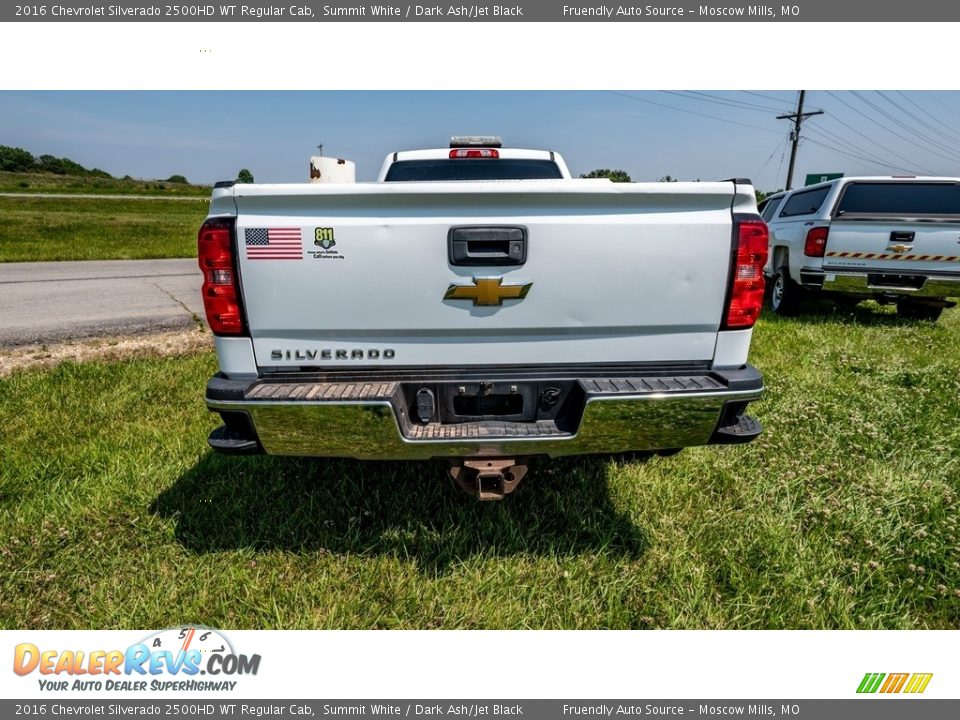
<point x="512" y="56"/>
<point x="496" y="56"/>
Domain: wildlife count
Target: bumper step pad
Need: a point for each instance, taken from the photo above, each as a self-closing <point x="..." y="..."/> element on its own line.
<point x="486" y="429"/>
<point x="743" y="430"/>
<point x="232" y="442"/>
<point x="331" y="392"/>
<point x="643" y="385"/>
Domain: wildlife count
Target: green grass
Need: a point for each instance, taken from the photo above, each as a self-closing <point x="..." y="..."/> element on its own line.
<point x="844" y="514"/>
<point x="98" y="229"/>
<point x="19" y="182"/>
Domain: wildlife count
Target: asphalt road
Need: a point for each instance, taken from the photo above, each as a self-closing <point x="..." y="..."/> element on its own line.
<point x="48" y="302"/>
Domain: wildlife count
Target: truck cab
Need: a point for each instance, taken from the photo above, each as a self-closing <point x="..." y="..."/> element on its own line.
<point x="489" y="160"/>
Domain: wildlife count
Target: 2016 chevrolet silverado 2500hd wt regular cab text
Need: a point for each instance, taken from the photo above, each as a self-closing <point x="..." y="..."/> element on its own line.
<point x="893" y="239"/>
<point x="479" y="305"/>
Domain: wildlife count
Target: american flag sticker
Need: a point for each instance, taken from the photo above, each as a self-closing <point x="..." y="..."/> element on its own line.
<point x="273" y="243"/>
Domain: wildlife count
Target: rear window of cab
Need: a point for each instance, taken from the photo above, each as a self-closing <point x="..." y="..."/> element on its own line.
<point x="474" y="169"/>
<point x="903" y="199"/>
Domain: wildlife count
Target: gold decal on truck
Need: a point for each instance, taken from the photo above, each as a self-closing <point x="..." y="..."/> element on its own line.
<point x="487" y="291"/>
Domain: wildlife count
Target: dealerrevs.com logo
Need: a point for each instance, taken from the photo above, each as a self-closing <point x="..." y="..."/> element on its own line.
<point x="173" y="659"/>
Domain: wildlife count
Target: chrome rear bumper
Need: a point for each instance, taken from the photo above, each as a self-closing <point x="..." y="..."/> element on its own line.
<point x="373" y="419"/>
<point x="875" y="282"/>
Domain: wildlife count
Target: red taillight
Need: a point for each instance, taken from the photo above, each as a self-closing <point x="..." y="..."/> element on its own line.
<point x="470" y="153"/>
<point x="221" y="297"/>
<point x="816" y="242"/>
<point x="746" y="291"/>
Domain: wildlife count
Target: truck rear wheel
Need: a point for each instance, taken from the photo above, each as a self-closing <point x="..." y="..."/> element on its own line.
<point x="784" y="294"/>
<point x="912" y="310"/>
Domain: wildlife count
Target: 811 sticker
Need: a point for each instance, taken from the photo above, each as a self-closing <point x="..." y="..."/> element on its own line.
<point x="323" y="238"/>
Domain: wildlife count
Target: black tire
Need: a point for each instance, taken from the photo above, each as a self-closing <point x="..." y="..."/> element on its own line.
<point x="912" y="310"/>
<point x="785" y="294"/>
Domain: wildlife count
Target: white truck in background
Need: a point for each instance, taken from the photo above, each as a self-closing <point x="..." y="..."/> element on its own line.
<point x="479" y="305"/>
<point x="893" y="239"/>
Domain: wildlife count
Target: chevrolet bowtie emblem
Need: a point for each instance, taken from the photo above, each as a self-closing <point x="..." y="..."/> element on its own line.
<point x="487" y="291"/>
<point x="900" y="248"/>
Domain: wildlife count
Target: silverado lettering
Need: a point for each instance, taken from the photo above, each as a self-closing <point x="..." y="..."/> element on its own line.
<point x="339" y="354"/>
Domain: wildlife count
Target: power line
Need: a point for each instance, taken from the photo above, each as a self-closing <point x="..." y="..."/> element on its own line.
<point x="834" y="137"/>
<point x="937" y="147"/>
<point x="776" y="147"/>
<point x="719" y="100"/>
<point x="692" y="112"/>
<point x="950" y="138"/>
<point x="865" y="156"/>
<point x="881" y="125"/>
<point x="859" y="133"/>
<point x="767" y="97"/>
<point x="936" y="143"/>
<point x="782" y="156"/>
<point x="850" y="155"/>
<point x="941" y="102"/>
<point x="931" y="115"/>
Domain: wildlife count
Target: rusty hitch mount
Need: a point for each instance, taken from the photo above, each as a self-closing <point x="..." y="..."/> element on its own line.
<point x="488" y="478"/>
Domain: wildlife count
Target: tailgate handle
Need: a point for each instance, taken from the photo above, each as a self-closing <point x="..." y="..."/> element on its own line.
<point x="487" y="245"/>
<point x="901" y="236"/>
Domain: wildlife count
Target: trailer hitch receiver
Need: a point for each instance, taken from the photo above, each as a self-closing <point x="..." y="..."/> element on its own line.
<point x="488" y="478"/>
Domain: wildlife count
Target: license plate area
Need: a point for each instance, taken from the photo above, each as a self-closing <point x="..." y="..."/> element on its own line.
<point x="889" y="280"/>
<point x="488" y="405"/>
<point x="473" y="401"/>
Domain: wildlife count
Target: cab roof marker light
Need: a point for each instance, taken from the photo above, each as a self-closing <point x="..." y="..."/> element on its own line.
<point x="490" y="141"/>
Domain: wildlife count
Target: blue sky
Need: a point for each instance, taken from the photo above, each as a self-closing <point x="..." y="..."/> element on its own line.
<point x="208" y="136"/>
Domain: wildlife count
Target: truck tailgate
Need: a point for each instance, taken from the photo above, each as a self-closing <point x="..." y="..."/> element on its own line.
<point x="907" y="226"/>
<point x="362" y="274"/>
<point x="893" y="246"/>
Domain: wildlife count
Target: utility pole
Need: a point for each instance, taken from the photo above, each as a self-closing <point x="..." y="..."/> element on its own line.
<point x="320" y="148"/>
<point x="798" y="117"/>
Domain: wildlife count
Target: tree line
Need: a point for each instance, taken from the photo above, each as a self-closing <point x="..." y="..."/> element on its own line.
<point x="14" y="159"/>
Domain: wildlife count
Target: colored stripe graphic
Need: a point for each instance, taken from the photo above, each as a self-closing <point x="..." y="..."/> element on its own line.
<point x="894" y="683"/>
<point x="891" y="256"/>
<point x="918" y="682"/>
<point x="870" y="682"/>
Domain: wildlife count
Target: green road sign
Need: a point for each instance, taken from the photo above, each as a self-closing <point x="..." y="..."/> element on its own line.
<point x="814" y="178"/>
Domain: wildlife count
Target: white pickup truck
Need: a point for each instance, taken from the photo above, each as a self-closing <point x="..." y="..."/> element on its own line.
<point x="893" y="239"/>
<point x="477" y="304"/>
